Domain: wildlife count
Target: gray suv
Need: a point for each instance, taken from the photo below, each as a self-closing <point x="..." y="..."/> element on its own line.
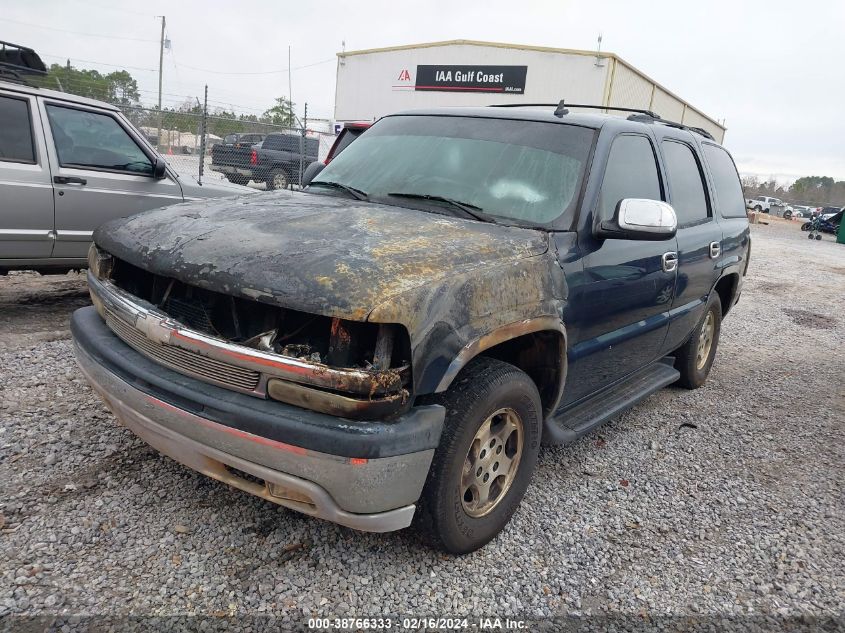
<point x="68" y="164"/>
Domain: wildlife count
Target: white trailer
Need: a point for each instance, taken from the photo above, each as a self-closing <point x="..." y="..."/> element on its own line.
<point x="373" y="83"/>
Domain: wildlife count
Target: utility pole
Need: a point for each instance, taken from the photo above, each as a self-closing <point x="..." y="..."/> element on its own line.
<point x="290" y="90"/>
<point x="204" y="133"/>
<point x="160" y="68"/>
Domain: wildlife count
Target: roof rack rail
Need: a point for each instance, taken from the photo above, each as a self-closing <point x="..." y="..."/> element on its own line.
<point x="680" y="126"/>
<point x="17" y="60"/>
<point x="642" y="116"/>
<point x="562" y="108"/>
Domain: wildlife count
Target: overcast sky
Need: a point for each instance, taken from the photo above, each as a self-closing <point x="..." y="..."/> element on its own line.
<point x="772" y="69"/>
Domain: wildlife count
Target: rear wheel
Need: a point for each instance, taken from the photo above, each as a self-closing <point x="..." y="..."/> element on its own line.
<point x="818" y="236"/>
<point x="787" y="215"/>
<point x="758" y="208"/>
<point x="277" y="179"/>
<point x="695" y="358"/>
<point x="485" y="458"/>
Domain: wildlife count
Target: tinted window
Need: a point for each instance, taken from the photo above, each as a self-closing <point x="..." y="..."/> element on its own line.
<point x="725" y="182"/>
<point x="525" y="171"/>
<point x="282" y="142"/>
<point x="631" y="173"/>
<point x="686" y="189"/>
<point x="15" y="131"/>
<point x="88" y="139"/>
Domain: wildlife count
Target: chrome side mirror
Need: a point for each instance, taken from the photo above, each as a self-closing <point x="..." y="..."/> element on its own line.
<point x="640" y="219"/>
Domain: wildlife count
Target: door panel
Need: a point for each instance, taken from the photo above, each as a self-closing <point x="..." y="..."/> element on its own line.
<point x="699" y="235"/>
<point x="697" y="273"/>
<point x="618" y="310"/>
<point x="101" y="173"/>
<point x="26" y="194"/>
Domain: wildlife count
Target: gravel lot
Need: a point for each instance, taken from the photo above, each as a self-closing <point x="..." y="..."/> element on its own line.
<point x="726" y="501"/>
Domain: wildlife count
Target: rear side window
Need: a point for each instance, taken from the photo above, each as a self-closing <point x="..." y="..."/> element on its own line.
<point x="725" y="182"/>
<point x="15" y="131"/>
<point x="686" y="187"/>
<point x="631" y="173"/>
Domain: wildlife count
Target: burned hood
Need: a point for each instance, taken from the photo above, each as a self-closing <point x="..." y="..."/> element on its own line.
<point x="315" y="253"/>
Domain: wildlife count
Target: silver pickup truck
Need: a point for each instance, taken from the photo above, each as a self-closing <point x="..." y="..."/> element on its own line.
<point x="68" y="164"/>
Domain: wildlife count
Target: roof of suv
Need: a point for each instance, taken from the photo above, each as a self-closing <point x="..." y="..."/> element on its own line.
<point x="595" y="120"/>
<point x="55" y="94"/>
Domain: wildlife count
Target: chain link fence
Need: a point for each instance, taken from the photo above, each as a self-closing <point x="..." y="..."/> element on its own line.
<point x="187" y="140"/>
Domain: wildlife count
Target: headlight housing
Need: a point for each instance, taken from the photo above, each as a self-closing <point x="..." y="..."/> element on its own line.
<point x="100" y="263"/>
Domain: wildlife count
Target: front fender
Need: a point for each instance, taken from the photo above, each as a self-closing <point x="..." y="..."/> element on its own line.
<point x="453" y="320"/>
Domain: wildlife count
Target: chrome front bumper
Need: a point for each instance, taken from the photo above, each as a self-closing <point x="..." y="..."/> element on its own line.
<point x="374" y="495"/>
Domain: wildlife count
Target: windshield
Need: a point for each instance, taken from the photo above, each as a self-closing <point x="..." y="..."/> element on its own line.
<point x="526" y="171"/>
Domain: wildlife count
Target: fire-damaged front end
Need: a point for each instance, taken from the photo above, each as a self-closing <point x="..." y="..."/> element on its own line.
<point x="282" y="348"/>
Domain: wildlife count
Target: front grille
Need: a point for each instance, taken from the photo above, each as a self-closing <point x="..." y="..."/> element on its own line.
<point x="202" y="367"/>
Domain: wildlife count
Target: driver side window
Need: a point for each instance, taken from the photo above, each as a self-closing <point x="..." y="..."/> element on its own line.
<point x="86" y="139"/>
<point x="631" y="173"/>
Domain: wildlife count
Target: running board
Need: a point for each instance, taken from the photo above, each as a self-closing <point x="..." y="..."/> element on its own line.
<point x="567" y="425"/>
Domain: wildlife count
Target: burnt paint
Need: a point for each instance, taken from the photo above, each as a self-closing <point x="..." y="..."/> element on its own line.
<point x="447" y="280"/>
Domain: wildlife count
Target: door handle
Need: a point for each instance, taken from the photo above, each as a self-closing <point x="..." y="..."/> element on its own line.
<point x="670" y="261"/>
<point x="715" y="249"/>
<point x="69" y="180"/>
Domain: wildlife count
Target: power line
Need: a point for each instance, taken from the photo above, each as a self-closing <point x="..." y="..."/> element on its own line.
<point x="50" y="28"/>
<point x="263" y="72"/>
<point x="89" y="61"/>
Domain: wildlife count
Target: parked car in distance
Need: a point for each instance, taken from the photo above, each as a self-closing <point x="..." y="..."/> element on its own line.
<point x="243" y="140"/>
<point x="348" y="133"/>
<point x="394" y="343"/>
<point x="825" y="213"/>
<point x="767" y="204"/>
<point x="277" y="162"/>
<point x="68" y="164"/>
<point x="801" y="211"/>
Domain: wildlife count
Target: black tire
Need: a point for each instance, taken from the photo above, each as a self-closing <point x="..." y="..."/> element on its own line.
<point x="818" y="236"/>
<point x="805" y="226"/>
<point x="277" y="179"/>
<point x="693" y="373"/>
<point x="787" y="215"/>
<point x="485" y="387"/>
<point x="758" y="209"/>
<point x="237" y="180"/>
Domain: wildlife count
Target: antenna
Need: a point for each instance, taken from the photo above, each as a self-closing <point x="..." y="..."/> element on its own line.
<point x="599" y="58"/>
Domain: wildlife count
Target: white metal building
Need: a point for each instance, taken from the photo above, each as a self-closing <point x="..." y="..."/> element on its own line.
<point x="373" y="83"/>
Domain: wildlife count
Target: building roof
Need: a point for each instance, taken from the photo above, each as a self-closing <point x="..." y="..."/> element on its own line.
<point x="541" y="49"/>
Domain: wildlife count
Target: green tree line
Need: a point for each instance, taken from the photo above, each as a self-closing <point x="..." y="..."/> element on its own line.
<point x="821" y="191"/>
<point x="121" y="88"/>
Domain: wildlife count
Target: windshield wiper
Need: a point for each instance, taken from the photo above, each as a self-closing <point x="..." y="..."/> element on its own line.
<point x="470" y="210"/>
<point x="352" y="191"/>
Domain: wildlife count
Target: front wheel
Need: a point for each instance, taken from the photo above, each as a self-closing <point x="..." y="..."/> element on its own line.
<point x="695" y="357"/>
<point x="486" y="456"/>
<point x="787" y="215"/>
<point x="818" y="236"/>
